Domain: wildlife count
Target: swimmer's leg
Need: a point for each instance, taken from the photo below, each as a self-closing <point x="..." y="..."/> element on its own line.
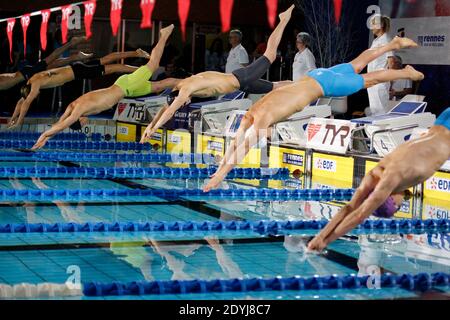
<point x="116" y="56"/>
<point x="277" y="34"/>
<point x="371" y="54"/>
<point x="119" y="68"/>
<point x="374" y="78"/>
<point x="52" y="57"/>
<point x="169" y="83"/>
<point x="158" y="50"/>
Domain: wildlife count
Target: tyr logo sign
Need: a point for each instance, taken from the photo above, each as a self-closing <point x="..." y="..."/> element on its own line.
<point x="336" y="131"/>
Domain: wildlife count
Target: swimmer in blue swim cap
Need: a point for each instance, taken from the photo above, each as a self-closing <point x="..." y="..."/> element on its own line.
<point x="382" y="189"/>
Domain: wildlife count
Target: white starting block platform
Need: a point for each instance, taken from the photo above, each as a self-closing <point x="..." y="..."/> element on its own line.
<point x="215" y="114"/>
<point x="293" y="131"/>
<point x="387" y="131"/>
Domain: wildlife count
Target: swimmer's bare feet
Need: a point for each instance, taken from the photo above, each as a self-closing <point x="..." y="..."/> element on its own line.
<point x="142" y="54"/>
<point x="413" y="74"/>
<point x="286" y="15"/>
<point x="167" y="31"/>
<point x="403" y="43"/>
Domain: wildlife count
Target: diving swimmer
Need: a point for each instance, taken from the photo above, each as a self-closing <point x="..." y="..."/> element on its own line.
<point x="75" y="71"/>
<point x="9" y="80"/>
<point x="410" y="164"/>
<point x="280" y="104"/>
<point x="131" y="85"/>
<point x="212" y="84"/>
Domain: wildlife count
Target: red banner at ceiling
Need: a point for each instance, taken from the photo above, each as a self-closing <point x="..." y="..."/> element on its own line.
<point x="147" y="7"/>
<point x="116" y="15"/>
<point x="183" y="12"/>
<point x="89" y="11"/>
<point x="44" y="24"/>
<point x="272" y="8"/>
<point x="25" y="22"/>
<point x="337" y="10"/>
<point x="66" y="11"/>
<point x="9" y="31"/>
<point x="226" y="8"/>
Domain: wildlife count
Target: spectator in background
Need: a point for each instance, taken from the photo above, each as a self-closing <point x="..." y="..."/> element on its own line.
<point x="237" y="57"/>
<point x="379" y="94"/>
<point x="215" y="57"/>
<point x="304" y="60"/>
<point x="398" y="88"/>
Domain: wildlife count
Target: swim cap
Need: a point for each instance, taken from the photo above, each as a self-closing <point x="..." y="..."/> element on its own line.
<point x="387" y="209"/>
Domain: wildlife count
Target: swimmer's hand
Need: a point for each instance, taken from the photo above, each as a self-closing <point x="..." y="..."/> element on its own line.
<point x="146" y="135"/>
<point x="14" y="122"/>
<point x="40" y="142"/>
<point x="215" y="181"/>
<point x="316" y="245"/>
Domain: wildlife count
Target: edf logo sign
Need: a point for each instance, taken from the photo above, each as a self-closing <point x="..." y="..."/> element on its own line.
<point x="439" y="184"/>
<point x="324" y="164"/>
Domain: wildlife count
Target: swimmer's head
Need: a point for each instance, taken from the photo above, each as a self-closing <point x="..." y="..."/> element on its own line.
<point x="171" y="97"/>
<point x="76" y="126"/>
<point x="235" y="37"/>
<point x="303" y="40"/>
<point x="380" y="23"/>
<point x="25" y="91"/>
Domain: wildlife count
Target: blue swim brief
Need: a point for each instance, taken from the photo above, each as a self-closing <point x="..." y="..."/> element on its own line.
<point x="338" y="81"/>
<point x="444" y="119"/>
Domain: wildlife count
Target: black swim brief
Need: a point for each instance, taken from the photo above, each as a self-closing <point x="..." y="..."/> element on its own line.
<point x="247" y="76"/>
<point x="88" y="70"/>
<point x="29" y="71"/>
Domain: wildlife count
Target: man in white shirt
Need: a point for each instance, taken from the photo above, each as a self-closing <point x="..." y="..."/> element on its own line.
<point x="398" y="88"/>
<point x="379" y="94"/>
<point x="238" y="57"/>
<point x="304" y="60"/>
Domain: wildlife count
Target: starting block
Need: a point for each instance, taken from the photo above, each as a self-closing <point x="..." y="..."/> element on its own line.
<point x="293" y="131"/>
<point x="140" y="110"/>
<point x="387" y="131"/>
<point x="213" y="115"/>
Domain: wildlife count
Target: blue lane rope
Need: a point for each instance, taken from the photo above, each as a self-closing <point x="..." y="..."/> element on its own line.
<point x="60" y="136"/>
<point x="77" y="145"/>
<point x="111" y="157"/>
<point x="139" y="173"/>
<point x="419" y="282"/>
<point x="260" y="226"/>
<point x="216" y="195"/>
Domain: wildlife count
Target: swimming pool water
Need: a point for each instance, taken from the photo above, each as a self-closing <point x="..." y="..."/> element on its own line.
<point x="114" y="256"/>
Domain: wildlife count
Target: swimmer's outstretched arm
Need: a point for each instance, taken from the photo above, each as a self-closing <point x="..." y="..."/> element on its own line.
<point x="410" y="164"/>
<point x="16" y="113"/>
<point x="65" y="122"/>
<point x="22" y="107"/>
<point x="147" y="131"/>
<point x="236" y="157"/>
<point x="182" y="98"/>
